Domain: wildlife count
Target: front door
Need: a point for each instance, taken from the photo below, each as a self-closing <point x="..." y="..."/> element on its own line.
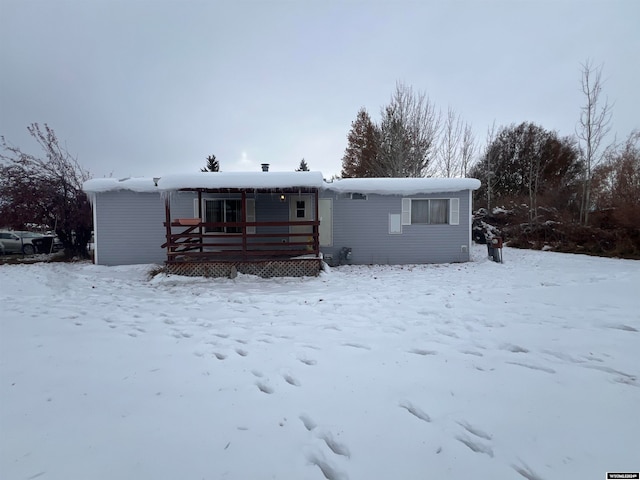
<point x="300" y="210"/>
<point x="325" y="207"/>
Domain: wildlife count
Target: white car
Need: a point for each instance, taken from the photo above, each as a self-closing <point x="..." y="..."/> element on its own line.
<point x="18" y="242"/>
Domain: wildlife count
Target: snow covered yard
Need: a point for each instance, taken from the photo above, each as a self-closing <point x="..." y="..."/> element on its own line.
<point x="528" y="369"/>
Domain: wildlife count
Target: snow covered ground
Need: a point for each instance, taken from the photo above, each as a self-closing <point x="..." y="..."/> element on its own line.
<point x="528" y="369"/>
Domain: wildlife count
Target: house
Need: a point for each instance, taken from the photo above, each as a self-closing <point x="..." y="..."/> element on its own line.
<point x="278" y="223"/>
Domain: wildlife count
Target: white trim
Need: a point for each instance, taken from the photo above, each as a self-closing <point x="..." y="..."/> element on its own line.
<point x="454" y="211"/>
<point x="196" y="213"/>
<point x="325" y="223"/>
<point x="94" y="203"/>
<point x="470" y="193"/>
<point x="395" y="224"/>
<point x="406" y="211"/>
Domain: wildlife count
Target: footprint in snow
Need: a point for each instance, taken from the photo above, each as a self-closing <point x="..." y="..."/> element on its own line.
<point x="526" y="472"/>
<point x="307" y="361"/>
<point x="422" y="351"/>
<point x="625" y="328"/>
<point x="471" y="352"/>
<point x="265" y="388"/>
<point x="336" y="447"/>
<point x="514" y="348"/>
<point x="474" y="430"/>
<point x="357" y="345"/>
<point x="291" y="380"/>
<point x="415" y="411"/>
<point x="241" y="352"/>
<point x="328" y="470"/>
<point x="533" y="367"/>
<point x="308" y="422"/>
<point x="476" y="446"/>
<point x="219" y="356"/>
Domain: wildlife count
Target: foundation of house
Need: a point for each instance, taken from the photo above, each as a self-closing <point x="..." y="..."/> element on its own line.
<point x="307" y="267"/>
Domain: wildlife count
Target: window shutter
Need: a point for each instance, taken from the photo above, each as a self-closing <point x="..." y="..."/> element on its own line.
<point x="454" y="211"/>
<point x="251" y="213"/>
<point x="406" y="211"/>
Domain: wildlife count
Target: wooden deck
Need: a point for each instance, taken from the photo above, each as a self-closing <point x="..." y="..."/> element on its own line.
<point x="190" y="243"/>
<point x="267" y="248"/>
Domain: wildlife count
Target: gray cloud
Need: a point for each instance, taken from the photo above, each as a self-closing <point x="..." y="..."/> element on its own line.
<point x="148" y="88"/>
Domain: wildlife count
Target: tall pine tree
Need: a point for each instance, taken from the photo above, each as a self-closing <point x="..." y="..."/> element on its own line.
<point x="362" y="148"/>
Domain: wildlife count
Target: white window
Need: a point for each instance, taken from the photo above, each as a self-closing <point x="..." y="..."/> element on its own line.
<point x="430" y="211"/>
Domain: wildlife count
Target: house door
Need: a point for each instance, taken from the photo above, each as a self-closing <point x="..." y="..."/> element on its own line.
<point x="326" y="222"/>
<point x="300" y="210"/>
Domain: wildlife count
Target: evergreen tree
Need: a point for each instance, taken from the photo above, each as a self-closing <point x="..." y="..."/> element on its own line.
<point x="303" y="166"/>
<point x="362" y="148"/>
<point x="212" y="165"/>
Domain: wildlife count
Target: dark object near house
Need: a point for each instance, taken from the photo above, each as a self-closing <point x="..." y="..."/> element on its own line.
<point x="43" y="244"/>
<point x="494" y="249"/>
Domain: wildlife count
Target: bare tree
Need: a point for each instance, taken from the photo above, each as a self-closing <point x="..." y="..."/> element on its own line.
<point x="467" y="149"/>
<point x="408" y="135"/>
<point x="449" y="150"/>
<point x="490" y="153"/>
<point x="593" y="126"/>
<point x="46" y="191"/>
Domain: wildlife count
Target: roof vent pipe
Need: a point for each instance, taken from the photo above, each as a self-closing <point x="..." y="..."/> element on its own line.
<point x="265" y="167"/>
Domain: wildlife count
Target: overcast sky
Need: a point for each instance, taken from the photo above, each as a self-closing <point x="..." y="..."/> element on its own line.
<point x="146" y="88"/>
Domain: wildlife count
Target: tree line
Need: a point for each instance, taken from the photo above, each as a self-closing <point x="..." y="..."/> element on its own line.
<point x="579" y="178"/>
<point x="574" y="177"/>
<point x="412" y="139"/>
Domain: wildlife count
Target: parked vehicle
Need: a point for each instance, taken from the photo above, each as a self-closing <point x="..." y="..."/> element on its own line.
<point x="26" y="242"/>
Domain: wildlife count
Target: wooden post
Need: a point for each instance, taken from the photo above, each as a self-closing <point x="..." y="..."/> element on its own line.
<point x="244" y="225"/>
<point x="316" y="228"/>
<point x="200" y="217"/>
<point x="167" y="222"/>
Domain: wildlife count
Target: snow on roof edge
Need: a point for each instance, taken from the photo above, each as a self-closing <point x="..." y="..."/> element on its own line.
<point x="267" y="180"/>
<point x="247" y="180"/>
<point x="402" y="186"/>
<point x="136" y="184"/>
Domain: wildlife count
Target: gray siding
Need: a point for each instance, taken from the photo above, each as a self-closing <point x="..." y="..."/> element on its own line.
<point x="129" y="228"/>
<point x="363" y="226"/>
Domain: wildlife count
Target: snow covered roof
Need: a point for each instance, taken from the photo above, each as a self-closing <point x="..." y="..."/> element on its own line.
<point x="243" y="180"/>
<point x="140" y="184"/>
<point x="273" y="180"/>
<point x="402" y="186"/>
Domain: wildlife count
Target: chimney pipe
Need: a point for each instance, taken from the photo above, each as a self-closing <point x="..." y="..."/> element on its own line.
<point x="265" y="167"/>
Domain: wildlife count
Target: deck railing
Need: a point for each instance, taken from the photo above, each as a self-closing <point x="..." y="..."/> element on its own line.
<point x="193" y="240"/>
